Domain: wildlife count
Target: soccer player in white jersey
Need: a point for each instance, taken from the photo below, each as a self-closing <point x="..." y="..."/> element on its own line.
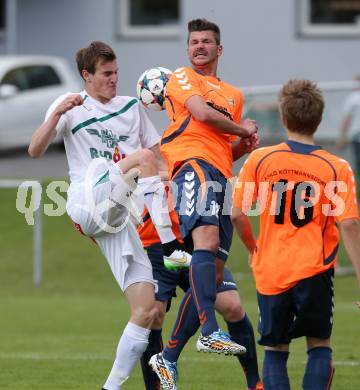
<point x="103" y="136"/>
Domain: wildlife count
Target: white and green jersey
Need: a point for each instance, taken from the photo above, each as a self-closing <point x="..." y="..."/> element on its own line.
<point x="112" y="130"/>
<point x="95" y="133"/>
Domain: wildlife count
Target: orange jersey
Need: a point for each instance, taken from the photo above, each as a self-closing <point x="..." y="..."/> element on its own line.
<point x="148" y="233"/>
<point x="186" y="137"/>
<point x="301" y="191"/>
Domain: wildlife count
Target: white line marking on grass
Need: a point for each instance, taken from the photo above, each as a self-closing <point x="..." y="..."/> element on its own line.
<point x="191" y="359"/>
<point x="218" y="359"/>
<point x="46" y="356"/>
<point x="346" y="363"/>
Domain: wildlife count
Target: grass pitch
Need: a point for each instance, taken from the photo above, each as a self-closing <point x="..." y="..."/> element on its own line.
<point x="63" y="334"/>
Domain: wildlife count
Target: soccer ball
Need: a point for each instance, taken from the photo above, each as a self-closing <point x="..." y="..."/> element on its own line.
<point x="151" y="89"/>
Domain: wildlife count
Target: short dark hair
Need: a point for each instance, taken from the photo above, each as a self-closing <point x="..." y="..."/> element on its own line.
<point x="301" y="106"/>
<point x="204" y="25"/>
<point x="88" y="57"/>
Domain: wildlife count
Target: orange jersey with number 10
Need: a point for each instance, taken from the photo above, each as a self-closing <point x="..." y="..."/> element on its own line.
<point x="187" y="137"/>
<point x="300" y="192"/>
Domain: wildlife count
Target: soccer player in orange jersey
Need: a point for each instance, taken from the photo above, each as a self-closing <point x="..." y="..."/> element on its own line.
<point x="227" y="304"/>
<point x="302" y="191"/>
<point x="205" y="115"/>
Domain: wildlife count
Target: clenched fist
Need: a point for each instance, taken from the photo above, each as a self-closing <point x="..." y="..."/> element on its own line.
<point x="69" y="103"/>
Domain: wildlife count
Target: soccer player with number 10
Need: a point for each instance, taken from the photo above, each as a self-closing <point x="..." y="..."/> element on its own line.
<point x="307" y="191"/>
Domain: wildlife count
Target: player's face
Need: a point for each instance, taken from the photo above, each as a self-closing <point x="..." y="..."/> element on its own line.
<point x="202" y="48"/>
<point x="104" y="81"/>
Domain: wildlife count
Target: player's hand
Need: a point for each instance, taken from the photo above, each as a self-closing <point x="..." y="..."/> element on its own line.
<point x="249" y="125"/>
<point x="358" y="304"/>
<point x="69" y="103"/>
<point x="250" y="143"/>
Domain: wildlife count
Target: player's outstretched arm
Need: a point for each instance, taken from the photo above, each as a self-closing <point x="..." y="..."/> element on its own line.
<point x="243" y="228"/>
<point x="204" y="113"/>
<point x="350" y="231"/>
<point x="46" y="133"/>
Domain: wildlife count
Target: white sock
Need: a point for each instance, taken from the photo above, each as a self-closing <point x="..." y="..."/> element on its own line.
<point x="155" y="199"/>
<point x="132" y="344"/>
<point x="122" y="185"/>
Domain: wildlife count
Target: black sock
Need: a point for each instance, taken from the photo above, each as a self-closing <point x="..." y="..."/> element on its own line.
<point x="172" y="246"/>
<point x="155" y="346"/>
<point x="242" y="332"/>
<point x="275" y="375"/>
<point x="319" y="371"/>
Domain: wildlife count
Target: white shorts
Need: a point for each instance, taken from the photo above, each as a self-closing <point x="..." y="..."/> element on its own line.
<point x="126" y="257"/>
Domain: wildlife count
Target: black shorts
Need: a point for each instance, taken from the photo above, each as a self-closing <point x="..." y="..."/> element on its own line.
<point x="304" y="310"/>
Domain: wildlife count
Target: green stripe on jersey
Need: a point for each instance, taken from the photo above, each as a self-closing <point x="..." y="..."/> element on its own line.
<point x="104" y="118"/>
<point x="104" y="178"/>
